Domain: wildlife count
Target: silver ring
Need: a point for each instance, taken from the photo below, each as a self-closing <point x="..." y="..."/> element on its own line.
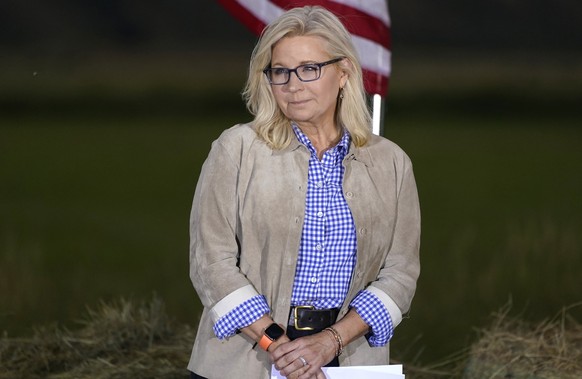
<point x="303" y="361"/>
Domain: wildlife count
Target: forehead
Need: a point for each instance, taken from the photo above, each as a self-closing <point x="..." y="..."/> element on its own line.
<point x="296" y="50"/>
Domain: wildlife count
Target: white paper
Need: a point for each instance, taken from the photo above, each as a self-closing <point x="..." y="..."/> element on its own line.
<point x="356" y="372"/>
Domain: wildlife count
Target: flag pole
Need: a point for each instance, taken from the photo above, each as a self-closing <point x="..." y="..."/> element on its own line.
<point x="377" y="114"/>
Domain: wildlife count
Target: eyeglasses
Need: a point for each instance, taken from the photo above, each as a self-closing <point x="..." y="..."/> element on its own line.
<point x="306" y="72"/>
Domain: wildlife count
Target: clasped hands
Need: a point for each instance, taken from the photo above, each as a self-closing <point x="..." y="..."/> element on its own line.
<point x="303" y="357"/>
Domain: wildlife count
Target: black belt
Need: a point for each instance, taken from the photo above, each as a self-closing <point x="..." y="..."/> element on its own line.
<point x="306" y="317"/>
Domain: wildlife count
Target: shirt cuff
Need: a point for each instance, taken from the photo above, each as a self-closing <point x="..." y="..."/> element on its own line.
<point x="231" y="301"/>
<point x="241" y="316"/>
<point x="374" y="313"/>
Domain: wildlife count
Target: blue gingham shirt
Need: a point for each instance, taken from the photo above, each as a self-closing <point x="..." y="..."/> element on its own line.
<point x="327" y="252"/>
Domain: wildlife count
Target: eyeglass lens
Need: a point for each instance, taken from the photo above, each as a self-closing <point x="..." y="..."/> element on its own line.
<point x="305" y="73"/>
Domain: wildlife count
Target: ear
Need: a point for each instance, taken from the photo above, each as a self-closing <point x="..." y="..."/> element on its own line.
<point x="345" y="67"/>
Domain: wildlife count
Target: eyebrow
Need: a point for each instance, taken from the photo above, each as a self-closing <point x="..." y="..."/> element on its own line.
<point x="300" y="63"/>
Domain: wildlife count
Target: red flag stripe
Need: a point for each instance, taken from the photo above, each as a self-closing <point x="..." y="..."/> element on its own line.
<point x="374" y="56"/>
<point x="255" y="24"/>
<point x="356" y="21"/>
<point x="375" y="82"/>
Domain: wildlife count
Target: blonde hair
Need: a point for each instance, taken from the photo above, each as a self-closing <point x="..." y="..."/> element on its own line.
<point x="352" y="111"/>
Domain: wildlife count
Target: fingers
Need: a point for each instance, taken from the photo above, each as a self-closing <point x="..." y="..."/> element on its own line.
<point x="303" y="361"/>
<point x="281" y="349"/>
<point x="308" y="374"/>
<point x="292" y="363"/>
<point x="299" y="373"/>
<point x="304" y="357"/>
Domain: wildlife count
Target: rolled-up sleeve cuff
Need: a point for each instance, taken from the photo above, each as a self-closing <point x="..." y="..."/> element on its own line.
<point x="391" y="307"/>
<point x="241" y="316"/>
<point x="372" y="310"/>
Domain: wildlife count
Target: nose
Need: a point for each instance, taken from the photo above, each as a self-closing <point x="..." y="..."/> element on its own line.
<point x="294" y="82"/>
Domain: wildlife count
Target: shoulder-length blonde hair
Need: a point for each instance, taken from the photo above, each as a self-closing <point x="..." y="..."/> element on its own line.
<point x="352" y="111"/>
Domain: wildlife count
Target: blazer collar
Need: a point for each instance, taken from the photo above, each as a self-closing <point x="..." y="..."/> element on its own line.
<point x="360" y="154"/>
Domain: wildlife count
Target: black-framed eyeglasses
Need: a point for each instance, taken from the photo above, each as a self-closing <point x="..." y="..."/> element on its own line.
<point x="305" y="72"/>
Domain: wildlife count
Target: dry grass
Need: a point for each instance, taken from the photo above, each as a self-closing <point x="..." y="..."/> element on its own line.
<point x="126" y="339"/>
<point x="120" y="340"/>
<point x="513" y="348"/>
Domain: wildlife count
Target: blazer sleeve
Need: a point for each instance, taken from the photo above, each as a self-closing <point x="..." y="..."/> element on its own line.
<point x="396" y="282"/>
<point x="214" y="250"/>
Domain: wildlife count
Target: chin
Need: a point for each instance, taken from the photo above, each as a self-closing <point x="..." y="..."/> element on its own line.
<point x="300" y="116"/>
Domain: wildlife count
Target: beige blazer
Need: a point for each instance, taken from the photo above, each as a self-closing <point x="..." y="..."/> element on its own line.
<point x="245" y="228"/>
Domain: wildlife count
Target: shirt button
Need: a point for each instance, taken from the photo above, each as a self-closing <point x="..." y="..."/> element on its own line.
<point x="318" y="247"/>
<point x="319" y="214"/>
<point x="313" y="279"/>
<point x="319" y="184"/>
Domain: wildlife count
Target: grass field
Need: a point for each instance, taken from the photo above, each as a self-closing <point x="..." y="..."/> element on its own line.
<point x="95" y="197"/>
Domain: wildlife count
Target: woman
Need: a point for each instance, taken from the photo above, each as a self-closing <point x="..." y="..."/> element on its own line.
<point x="305" y="227"/>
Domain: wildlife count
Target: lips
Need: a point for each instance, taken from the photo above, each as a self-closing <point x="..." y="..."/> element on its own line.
<point x="298" y="102"/>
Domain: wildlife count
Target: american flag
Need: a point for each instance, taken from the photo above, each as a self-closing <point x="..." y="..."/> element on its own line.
<point x="368" y="22"/>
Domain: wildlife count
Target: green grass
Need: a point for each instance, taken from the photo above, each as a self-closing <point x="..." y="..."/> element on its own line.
<point x="92" y="209"/>
<point x="96" y="188"/>
<point x="96" y="209"/>
<point x="501" y="222"/>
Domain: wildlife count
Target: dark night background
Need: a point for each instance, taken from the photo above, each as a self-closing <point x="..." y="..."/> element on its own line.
<point x="69" y="29"/>
<point x="107" y="109"/>
<point x="74" y="44"/>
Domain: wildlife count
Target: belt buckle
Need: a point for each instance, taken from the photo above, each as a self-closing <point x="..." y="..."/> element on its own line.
<point x="296" y="316"/>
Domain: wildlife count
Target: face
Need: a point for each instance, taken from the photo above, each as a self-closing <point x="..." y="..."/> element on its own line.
<point x="307" y="103"/>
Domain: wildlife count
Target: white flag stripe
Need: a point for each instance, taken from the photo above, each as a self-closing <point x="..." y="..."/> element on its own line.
<point x="375" y="8"/>
<point x="264" y="10"/>
<point x="373" y="57"/>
